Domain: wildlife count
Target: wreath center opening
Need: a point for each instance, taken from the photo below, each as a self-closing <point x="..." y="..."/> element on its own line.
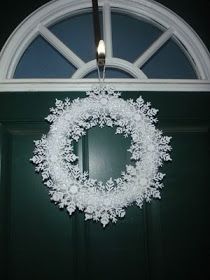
<point x="106" y="153"/>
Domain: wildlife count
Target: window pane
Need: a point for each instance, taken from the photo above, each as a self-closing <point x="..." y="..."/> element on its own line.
<point x="41" y="60"/>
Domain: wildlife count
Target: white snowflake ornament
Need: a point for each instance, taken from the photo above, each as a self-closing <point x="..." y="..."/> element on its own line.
<point x="69" y="187"/>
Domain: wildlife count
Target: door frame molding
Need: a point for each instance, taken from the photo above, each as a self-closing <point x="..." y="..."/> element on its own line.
<point x="81" y="85"/>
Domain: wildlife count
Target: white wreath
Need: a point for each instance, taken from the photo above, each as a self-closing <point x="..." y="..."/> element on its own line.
<point x="54" y="155"/>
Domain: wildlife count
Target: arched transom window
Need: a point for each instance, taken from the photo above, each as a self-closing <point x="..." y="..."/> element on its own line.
<point x="148" y="47"/>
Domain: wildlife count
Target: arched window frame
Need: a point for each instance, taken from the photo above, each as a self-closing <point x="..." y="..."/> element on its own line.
<point x="37" y="24"/>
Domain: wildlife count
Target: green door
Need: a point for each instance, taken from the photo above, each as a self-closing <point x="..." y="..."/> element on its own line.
<point x="167" y="239"/>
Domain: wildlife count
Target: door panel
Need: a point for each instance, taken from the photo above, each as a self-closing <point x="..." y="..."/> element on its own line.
<point x="40" y="236"/>
<point x="167" y="239"/>
<point x="185" y="207"/>
<point x="4" y="197"/>
<point x="121" y="251"/>
<point x="107" y="153"/>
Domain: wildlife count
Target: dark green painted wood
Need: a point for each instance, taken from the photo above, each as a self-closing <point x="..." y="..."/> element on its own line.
<point x="167" y="239"/>
<point x="41" y="237"/>
<point x="34" y="106"/>
<point x="185" y="208"/>
<point x="103" y="142"/>
<point x="112" y="251"/>
<point x="5" y="173"/>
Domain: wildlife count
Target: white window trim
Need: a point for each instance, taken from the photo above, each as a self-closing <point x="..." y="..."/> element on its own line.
<point x="62" y="85"/>
<point x="154" y="12"/>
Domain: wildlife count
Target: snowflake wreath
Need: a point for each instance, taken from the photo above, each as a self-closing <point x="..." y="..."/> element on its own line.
<point x="54" y="155"/>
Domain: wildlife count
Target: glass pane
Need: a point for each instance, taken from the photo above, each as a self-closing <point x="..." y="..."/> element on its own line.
<point x="77" y="33"/>
<point x="41" y="60"/>
<point x="131" y="36"/>
<point x="169" y="62"/>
